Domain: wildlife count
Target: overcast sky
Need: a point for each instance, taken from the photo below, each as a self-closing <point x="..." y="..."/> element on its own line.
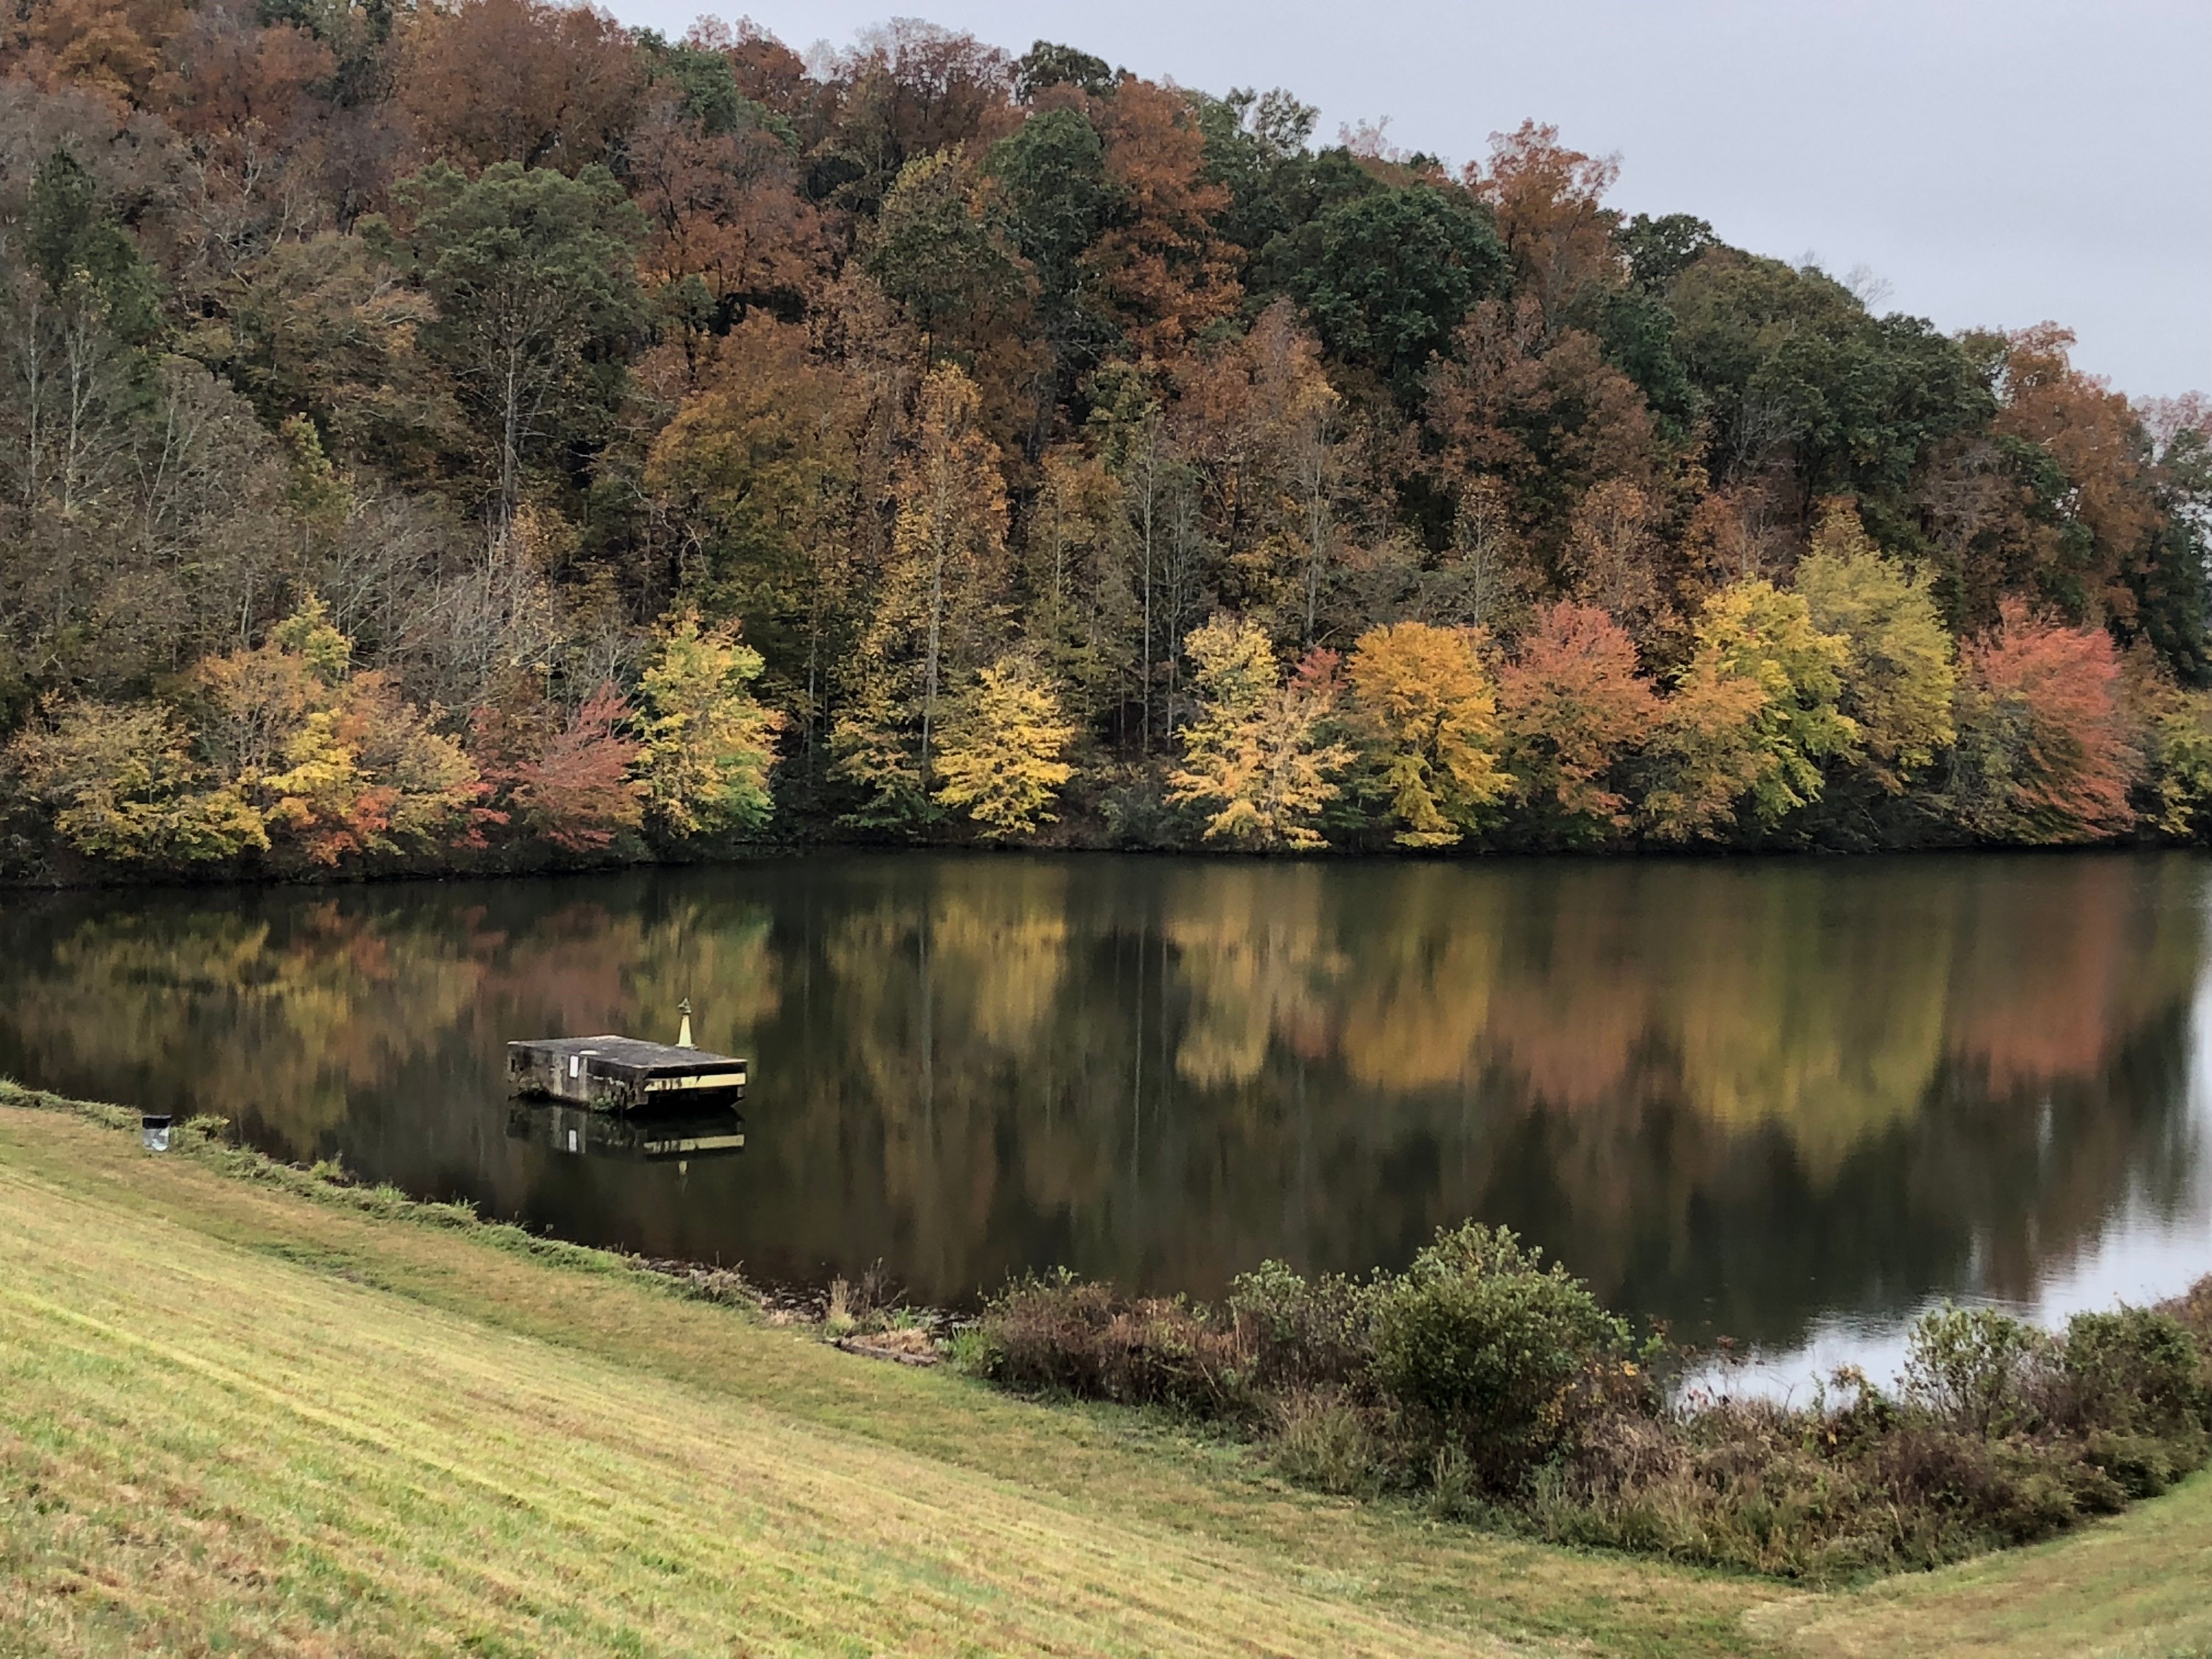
<point x="1997" y="164"/>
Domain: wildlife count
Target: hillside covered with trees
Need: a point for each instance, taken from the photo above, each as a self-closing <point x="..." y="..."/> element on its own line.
<point x="484" y="436"/>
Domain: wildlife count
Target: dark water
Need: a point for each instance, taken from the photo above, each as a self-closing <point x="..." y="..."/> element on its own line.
<point x="1788" y="1100"/>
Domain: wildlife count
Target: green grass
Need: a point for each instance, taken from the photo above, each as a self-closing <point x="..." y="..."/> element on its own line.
<point x="263" y="1416"/>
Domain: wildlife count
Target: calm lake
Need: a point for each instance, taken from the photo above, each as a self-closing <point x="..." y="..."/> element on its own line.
<point x="1787" y="1100"/>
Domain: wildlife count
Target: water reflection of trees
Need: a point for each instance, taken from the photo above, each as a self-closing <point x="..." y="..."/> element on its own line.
<point x="1740" y="1093"/>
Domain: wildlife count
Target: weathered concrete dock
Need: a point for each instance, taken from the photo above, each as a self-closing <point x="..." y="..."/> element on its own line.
<point x="623" y="1074"/>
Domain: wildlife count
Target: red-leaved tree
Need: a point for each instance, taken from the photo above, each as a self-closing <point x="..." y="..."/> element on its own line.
<point x="2043" y="754"/>
<point x="578" y="794"/>
<point x="567" y="782"/>
<point x="1571" y="705"/>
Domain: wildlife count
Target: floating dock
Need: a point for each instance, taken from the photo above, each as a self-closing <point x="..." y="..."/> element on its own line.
<point x="623" y="1074"/>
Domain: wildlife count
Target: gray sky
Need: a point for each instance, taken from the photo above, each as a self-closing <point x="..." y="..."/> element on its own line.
<point x="1996" y="163"/>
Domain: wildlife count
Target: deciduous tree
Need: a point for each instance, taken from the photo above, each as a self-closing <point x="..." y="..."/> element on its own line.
<point x="1899" y="678"/>
<point x="1001" y="761"/>
<point x="1254" y="752"/>
<point x="1755" y="634"/>
<point x="1428" y="720"/>
<point x="1161" y="264"/>
<point x="524" y="82"/>
<point x="2043" y="740"/>
<point x="1549" y="203"/>
<point x="568" y="779"/>
<point x="948" y="545"/>
<point x="1573" y="705"/>
<point x="1546" y="417"/>
<point x="709" y="744"/>
<point x="122" y="783"/>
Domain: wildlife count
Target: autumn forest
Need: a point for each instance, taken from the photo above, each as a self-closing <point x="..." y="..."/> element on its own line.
<point x="484" y="436"/>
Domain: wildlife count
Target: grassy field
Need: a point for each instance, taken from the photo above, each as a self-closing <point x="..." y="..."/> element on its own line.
<point x="235" y="1418"/>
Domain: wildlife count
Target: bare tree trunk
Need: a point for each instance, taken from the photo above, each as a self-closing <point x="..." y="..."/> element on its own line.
<point x="939" y="552"/>
<point x="510" y="443"/>
<point x="1314" y="477"/>
<point x="1148" y="482"/>
<point x="34" y="403"/>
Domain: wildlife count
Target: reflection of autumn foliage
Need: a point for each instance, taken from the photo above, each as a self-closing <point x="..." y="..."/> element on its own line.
<point x="1259" y="964"/>
<point x="1416" y="1004"/>
<point x="2076" y="961"/>
<point x="1781" y="1087"/>
<point x="715" y="956"/>
<point x="1775" y="1017"/>
<point x="1003" y="939"/>
<point x="943" y="1000"/>
<point x="1572" y="1004"/>
<point x="281" y="1017"/>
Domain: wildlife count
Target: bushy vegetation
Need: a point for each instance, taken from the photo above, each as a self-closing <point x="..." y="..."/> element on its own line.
<point x="641" y="446"/>
<point x="1492" y="1385"/>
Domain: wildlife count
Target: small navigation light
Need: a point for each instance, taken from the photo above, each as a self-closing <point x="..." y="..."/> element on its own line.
<point x="683" y="1035"/>
<point x="153" y="1129"/>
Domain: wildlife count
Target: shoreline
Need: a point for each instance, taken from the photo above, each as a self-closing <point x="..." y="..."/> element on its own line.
<point x="170" y="881"/>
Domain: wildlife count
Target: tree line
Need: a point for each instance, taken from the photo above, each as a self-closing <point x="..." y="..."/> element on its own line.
<point x="481" y="434"/>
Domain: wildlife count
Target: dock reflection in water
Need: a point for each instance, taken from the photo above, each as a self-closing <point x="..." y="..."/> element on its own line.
<point x="637" y="1137"/>
<point x="1777" y="1098"/>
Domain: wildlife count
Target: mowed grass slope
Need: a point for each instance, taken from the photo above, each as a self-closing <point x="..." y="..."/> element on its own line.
<point x="237" y="1419"/>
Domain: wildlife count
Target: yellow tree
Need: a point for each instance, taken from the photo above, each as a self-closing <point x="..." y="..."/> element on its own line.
<point x="1753" y="715"/>
<point x="337" y="761"/>
<point x="709" y="744"/>
<point x="2178" y="748"/>
<point x="1755" y="634"/>
<point x="1001" y="758"/>
<point x="1254" y="752"/>
<point x="1428" y="720"/>
<point x="1703" y="752"/>
<point x="120" y="783"/>
<point x="1900" y="678"/>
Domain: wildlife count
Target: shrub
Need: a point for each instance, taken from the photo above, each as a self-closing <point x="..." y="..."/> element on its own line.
<point x="2135" y="1465"/>
<point x="2193" y="1309"/>
<point x="1303" y="1333"/>
<point x="1977" y="1369"/>
<point x="1955" y="1491"/>
<point x="1064" y="1335"/>
<point x="2137" y="1370"/>
<point x="1481" y="1347"/>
